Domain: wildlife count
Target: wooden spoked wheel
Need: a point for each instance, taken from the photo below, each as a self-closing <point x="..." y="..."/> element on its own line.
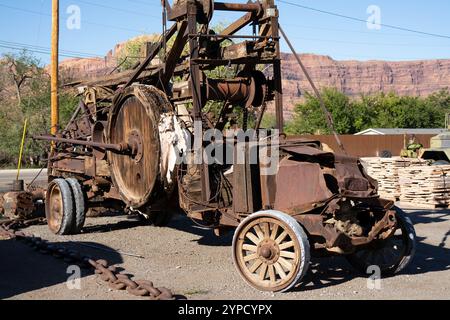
<point x="134" y="120"/>
<point x="271" y="251"/>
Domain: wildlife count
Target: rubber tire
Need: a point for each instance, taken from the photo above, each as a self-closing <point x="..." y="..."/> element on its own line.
<point x="68" y="218"/>
<point x="301" y="236"/>
<point x="386" y="154"/>
<point x="161" y="219"/>
<point x="158" y="219"/>
<point x="407" y="227"/>
<point x="79" y="202"/>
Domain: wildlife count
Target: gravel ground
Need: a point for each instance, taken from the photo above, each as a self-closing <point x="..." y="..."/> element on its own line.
<point x="194" y="263"/>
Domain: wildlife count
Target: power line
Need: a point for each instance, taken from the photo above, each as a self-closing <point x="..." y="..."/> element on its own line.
<point x="47" y="50"/>
<point x="372" y="43"/>
<point x="116" y="9"/>
<point x="352" y="31"/>
<point x="84" y="21"/>
<point x="145" y="3"/>
<point x="36" y="51"/>
<point x="365" y="21"/>
<point x="33" y="47"/>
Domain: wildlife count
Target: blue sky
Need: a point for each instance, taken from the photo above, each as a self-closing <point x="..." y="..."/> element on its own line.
<point x="105" y="23"/>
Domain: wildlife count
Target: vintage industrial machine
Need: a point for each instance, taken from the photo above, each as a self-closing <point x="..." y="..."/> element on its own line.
<point x="138" y="140"/>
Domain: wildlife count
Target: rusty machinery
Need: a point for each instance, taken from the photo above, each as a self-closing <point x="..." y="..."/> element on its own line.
<point x="116" y="153"/>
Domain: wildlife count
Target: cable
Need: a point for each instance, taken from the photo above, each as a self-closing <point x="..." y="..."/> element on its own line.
<point x="36" y="51"/>
<point x="145" y="3"/>
<point x="365" y="21"/>
<point x="46" y="50"/>
<point x="115" y="8"/>
<point x="372" y="33"/>
<point x="373" y="43"/>
<point x="34" y="47"/>
<point x="84" y="21"/>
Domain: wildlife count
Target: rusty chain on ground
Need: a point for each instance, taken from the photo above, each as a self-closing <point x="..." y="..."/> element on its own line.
<point x="107" y="273"/>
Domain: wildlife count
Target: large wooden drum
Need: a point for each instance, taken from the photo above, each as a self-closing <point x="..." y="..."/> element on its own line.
<point x="134" y="119"/>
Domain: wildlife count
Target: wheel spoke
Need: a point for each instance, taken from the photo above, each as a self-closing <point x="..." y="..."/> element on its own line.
<point x="263" y="272"/>
<point x="273" y="277"/>
<point x="287" y="254"/>
<point x="255" y="266"/>
<point x="286" y="264"/>
<point x="274" y="231"/>
<point x="253" y="238"/>
<point x="266" y="229"/>
<point x="251" y="257"/>
<point x="281" y="237"/>
<point x="259" y="232"/>
<point x="280" y="270"/>
<point x="249" y="247"/>
<point x="286" y="245"/>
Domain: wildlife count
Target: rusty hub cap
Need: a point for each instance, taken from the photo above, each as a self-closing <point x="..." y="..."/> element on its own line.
<point x="268" y="254"/>
<point x="55" y="212"/>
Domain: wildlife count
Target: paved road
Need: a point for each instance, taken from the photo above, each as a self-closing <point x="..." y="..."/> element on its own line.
<point x="8" y="176"/>
<point x="194" y="263"/>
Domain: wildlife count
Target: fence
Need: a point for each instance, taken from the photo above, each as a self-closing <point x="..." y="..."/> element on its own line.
<point x="370" y="145"/>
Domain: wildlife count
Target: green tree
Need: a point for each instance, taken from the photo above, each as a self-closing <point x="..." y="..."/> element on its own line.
<point x="370" y="111"/>
<point x="34" y="105"/>
<point x="20" y="69"/>
<point x="309" y="118"/>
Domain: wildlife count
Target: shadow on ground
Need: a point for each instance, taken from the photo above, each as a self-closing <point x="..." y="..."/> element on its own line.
<point x="324" y="272"/>
<point x="22" y="269"/>
<point x="327" y="272"/>
<point x="207" y="236"/>
<point x="429" y="216"/>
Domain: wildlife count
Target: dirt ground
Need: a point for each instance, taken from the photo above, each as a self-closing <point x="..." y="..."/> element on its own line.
<point x="193" y="262"/>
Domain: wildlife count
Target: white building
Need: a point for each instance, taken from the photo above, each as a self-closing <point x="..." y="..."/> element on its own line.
<point x="384" y="132"/>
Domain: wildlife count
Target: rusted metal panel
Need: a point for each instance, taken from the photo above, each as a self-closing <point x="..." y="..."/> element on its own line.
<point x="246" y="187"/>
<point x="299" y="184"/>
<point x="18" y="205"/>
<point x="73" y="165"/>
<point x="238" y="51"/>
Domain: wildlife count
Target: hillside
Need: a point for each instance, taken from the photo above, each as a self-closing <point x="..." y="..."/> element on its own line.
<point x="408" y="78"/>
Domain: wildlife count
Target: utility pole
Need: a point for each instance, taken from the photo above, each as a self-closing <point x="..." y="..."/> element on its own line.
<point x="54" y="68"/>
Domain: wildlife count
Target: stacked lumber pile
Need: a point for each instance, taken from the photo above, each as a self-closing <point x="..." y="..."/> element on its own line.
<point x="386" y="172"/>
<point x="425" y="186"/>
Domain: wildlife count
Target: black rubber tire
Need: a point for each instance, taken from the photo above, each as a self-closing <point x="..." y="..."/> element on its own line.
<point x="386" y="154"/>
<point x="157" y="218"/>
<point x="405" y="258"/>
<point x="79" y="201"/>
<point x="161" y="219"/>
<point x="68" y="213"/>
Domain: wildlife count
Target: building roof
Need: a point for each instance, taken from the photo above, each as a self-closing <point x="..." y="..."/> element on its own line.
<point x="385" y="131"/>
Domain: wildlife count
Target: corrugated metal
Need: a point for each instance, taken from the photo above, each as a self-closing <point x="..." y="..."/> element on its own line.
<point x="369" y="146"/>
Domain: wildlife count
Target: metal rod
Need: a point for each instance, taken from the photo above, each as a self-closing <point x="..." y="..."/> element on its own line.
<point x="328" y="116"/>
<point x="107" y="146"/>
<point x="151" y="55"/>
<point x="74" y="116"/>
<point x="222" y="6"/>
<point x="21" y="149"/>
<point x="230" y="36"/>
